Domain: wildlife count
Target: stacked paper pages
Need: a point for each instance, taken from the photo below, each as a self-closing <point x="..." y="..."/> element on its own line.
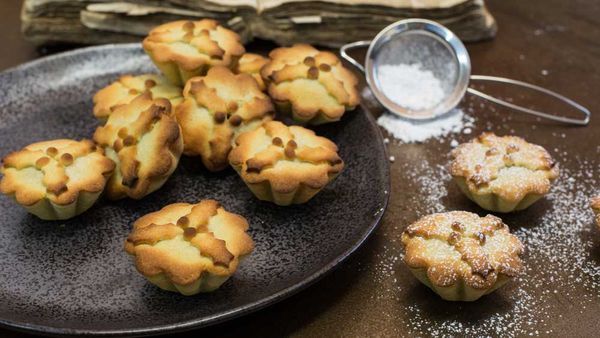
<point x="326" y="22"/>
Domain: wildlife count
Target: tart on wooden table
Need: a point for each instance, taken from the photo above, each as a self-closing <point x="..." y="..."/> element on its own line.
<point x="184" y="49"/>
<point x="285" y="165"/>
<point x="251" y="64"/>
<point x="460" y="255"/>
<point x="216" y="108"/>
<point x="189" y="248"/>
<point x="595" y="204"/>
<point x="311" y="85"/>
<point x="145" y="142"/>
<point x="57" y="179"/>
<point x="128" y="87"/>
<point x="503" y="174"/>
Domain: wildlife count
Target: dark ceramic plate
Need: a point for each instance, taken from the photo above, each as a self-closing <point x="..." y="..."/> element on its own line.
<point x="74" y="278"/>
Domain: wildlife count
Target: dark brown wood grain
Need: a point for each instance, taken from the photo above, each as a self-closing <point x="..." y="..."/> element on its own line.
<point x="552" y="43"/>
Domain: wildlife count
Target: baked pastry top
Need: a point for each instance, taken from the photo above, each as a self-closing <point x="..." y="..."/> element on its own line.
<point x="460" y="255"/>
<point x="145" y="142"/>
<point x="56" y="174"/>
<point x="515" y="172"/>
<point x="285" y="164"/>
<point x="313" y="85"/>
<point x="189" y="248"/>
<point x="216" y="108"/>
<point x="251" y="64"/>
<point x="595" y="204"/>
<point x="128" y="87"/>
<point x="183" y="49"/>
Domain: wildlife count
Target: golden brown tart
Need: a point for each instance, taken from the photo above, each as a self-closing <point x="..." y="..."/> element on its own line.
<point x="310" y="84"/>
<point x="56" y="179"/>
<point x="128" y="87"/>
<point x="251" y="64"/>
<point x="595" y="204"/>
<point x="145" y="142"/>
<point x="184" y="49"/>
<point x="285" y="165"/>
<point x="217" y="107"/>
<point x="460" y="255"/>
<point x="189" y="248"/>
<point x="503" y="174"/>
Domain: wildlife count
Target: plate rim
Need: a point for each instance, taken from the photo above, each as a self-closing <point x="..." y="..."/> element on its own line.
<point x="223" y="316"/>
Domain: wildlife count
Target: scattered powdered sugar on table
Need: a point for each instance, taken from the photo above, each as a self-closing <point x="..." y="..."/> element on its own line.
<point x="410" y="86"/>
<point x="409" y="131"/>
<point x="560" y="258"/>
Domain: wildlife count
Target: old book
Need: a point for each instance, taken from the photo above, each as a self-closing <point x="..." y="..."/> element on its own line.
<point x="325" y="22"/>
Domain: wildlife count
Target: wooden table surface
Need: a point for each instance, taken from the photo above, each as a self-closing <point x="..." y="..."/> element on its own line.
<point x="552" y="43"/>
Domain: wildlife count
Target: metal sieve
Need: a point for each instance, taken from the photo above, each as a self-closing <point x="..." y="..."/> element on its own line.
<point x="436" y="49"/>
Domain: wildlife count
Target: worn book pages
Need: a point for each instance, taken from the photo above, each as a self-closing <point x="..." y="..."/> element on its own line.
<point x="326" y="22"/>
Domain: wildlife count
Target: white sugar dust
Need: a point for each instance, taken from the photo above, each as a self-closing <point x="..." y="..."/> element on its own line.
<point x="409" y="131"/>
<point x="411" y="86"/>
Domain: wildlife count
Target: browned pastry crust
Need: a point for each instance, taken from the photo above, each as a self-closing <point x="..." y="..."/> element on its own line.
<point x="251" y="64"/>
<point x="128" y="87"/>
<point x="595" y="204"/>
<point x="145" y="142"/>
<point x="460" y="255"/>
<point x="49" y="178"/>
<point x="189" y="248"/>
<point x="284" y="164"/>
<point x="313" y="85"/>
<point x="184" y="49"/>
<point x="216" y="108"/>
<point x="503" y="173"/>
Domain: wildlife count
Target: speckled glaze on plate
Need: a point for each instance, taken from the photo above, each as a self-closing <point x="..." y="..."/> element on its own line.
<point x="73" y="277"/>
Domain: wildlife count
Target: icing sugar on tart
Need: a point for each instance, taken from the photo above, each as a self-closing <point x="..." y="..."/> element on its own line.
<point x="460" y="255"/>
<point x="503" y="174"/>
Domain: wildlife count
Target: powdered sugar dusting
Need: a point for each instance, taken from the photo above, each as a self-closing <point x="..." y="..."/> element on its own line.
<point x="561" y="258"/>
<point x="409" y="131"/>
<point x="410" y="86"/>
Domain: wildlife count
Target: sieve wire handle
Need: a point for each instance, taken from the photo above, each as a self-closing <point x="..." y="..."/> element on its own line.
<point x="582" y="109"/>
<point x="349" y="58"/>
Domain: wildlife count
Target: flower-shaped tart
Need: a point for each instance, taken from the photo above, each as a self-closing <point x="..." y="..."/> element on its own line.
<point x="312" y="85"/>
<point x="184" y="49"/>
<point x="285" y="165"/>
<point x="189" y="248"/>
<point x="56" y="179"/>
<point x="503" y="174"/>
<point x="216" y="108"/>
<point x="595" y="204"/>
<point x="145" y="142"/>
<point x="128" y="87"/>
<point x="251" y="64"/>
<point x="460" y="255"/>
